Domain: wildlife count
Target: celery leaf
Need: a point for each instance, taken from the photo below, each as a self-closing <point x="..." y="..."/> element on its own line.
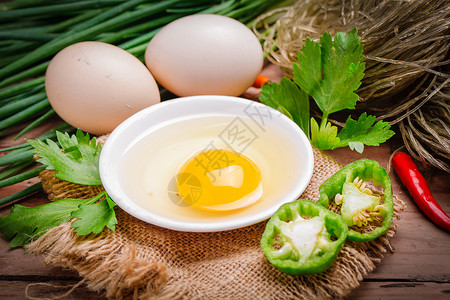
<point x="325" y="136"/>
<point x="77" y="163"/>
<point x="25" y="224"/>
<point x="332" y="71"/>
<point x="287" y="98"/>
<point x="94" y="217"/>
<point x="364" y="132"/>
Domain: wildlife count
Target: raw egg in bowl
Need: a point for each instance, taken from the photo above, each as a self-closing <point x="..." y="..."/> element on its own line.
<point x="206" y="163"/>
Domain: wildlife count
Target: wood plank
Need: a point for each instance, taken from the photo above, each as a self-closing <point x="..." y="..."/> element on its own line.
<point x="386" y="290"/>
<point x="401" y="290"/>
<point x="14" y="263"/>
<point x="421" y="250"/>
<point x="15" y="290"/>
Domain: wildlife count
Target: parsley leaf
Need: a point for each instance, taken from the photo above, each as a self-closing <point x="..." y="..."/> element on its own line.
<point x="25" y="224"/>
<point x="290" y="100"/>
<point x="93" y="218"/>
<point x="324" y="137"/>
<point x="78" y="163"/>
<point x="362" y="132"/>
<point x="332" y="71"/>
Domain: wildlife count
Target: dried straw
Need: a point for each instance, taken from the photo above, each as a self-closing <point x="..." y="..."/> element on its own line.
<point x="402" y="39"/>
<point x="406" y="46"/>
<point x="426" y="131"/>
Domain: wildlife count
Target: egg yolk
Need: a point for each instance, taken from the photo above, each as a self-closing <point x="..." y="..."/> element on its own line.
<point x="219" y="180"/>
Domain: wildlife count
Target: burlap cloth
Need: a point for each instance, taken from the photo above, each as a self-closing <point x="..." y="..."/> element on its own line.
<point x="143" y="261"/>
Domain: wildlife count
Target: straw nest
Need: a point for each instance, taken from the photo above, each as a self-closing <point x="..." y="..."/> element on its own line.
<point x="406" y="51"/>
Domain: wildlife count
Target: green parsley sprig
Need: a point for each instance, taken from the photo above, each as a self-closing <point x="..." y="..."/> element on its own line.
<point x="330" y="72"/>
<point x="76" y="162"/>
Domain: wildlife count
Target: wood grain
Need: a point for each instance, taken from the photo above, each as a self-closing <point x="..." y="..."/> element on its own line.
<point x="10" y="289"/>
<point x="401" y="290"/>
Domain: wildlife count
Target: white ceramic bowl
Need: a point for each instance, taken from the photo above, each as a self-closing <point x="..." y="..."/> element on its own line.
<point x="275" y="143"/>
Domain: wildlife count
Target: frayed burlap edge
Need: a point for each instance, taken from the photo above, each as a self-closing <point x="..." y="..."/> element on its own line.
<point x="142" y="261"/>
<point x="104" y="263"/>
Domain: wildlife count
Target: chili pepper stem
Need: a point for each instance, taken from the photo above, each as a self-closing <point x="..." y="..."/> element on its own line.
<point x="260" y="81"/>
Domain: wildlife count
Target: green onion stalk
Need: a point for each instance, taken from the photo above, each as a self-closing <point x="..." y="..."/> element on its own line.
<point x="33" y="31"/>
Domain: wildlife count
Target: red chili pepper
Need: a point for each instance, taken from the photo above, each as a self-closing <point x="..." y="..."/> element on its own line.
<point x="260" y="81"/>
<point x="419" y="189"/>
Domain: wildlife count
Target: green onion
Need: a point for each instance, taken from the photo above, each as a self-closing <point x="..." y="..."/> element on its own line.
<point x="27" y="36"/>
<point x="19" y="105"/>
<point x="16" y="156"/>
<point x="131" y="31"/>
<point x="56" y="9"/>
<point x="22" y="177"/>
<point x="24" y="114"/>
<point x="21" y="87"/>
<point x="73" y="21"/>
<point x="140" y="41"/>
<point x="21" y="194"/>
<point x="36" y="123"/>
<point x="26" y="74"/>
<point x="21" y="146"/>
<point x="64" y="127"/>
<point x="70" y="37"/>
<point x="5" y="60"/>
<point x="20" y="3"/>
<point x="15" y="168"/>
<point x="18" y="47"/>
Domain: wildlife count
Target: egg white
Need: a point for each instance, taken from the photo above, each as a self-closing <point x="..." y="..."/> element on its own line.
<point x="150" y="166"/>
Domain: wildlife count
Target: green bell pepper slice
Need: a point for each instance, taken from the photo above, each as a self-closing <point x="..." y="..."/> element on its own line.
<point x="367" y="214"/>
<point x="303" y="237"/>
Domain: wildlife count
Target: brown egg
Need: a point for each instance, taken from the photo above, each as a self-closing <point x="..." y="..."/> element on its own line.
<point x="95" y="86"/>
<point x="205" y="55"/>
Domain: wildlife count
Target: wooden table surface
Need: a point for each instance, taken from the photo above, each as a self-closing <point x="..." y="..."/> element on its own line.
<point x="419" y="268"/>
